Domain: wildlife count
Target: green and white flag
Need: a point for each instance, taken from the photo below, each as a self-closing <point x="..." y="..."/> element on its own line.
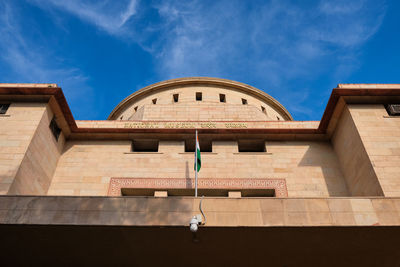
<point x="197" y="157"/>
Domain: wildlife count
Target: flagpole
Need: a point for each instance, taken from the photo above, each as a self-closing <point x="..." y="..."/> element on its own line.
<point x="195" y="160"/>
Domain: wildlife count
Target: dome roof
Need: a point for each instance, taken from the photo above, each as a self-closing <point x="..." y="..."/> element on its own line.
<point x="238" y="90"/>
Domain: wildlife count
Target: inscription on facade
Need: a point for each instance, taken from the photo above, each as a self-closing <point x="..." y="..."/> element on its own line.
<point x="184" y="125"/>
<point x="235" y="125"/>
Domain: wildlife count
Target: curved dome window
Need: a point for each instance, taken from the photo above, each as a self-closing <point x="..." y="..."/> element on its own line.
<point x="176" y="97"/>
<point x="199" y="96"/>
<point x="222" y="98"/>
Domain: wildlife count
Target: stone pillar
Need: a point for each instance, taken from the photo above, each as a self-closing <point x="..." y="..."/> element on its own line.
<point x="39" y="151"/>
<point x="355" y="162"/>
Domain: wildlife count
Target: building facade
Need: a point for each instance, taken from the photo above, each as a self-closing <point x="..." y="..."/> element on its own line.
<point x="120" y="190"/>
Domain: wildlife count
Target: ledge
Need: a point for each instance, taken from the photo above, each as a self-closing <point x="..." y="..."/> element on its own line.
<point x="206" y="153"/>
<point x="143" y="152"/>
<point x="5" y="115"/>
<point x="252" y="153"/>
<point x="176" y="211"/>
<point x="391" y="117"/>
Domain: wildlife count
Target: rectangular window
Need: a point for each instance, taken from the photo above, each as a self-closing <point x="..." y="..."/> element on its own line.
<point x="154" y="101"/>
<point x="145" y="145"/>
<point x="393" y="109"/>
<point x="222" y="98"/>
<point x="54" y="128"/>
<point x="176" y="97"/>
<point x="4" y="108"/>
<point x="199" y="96"/>
<point x="202" y="192"/>
<point x="258" y="192"/>
<point x="263" y="110"/>
<point x="205" y="145"/>
<point x="244" y="101"/>
<point x="256" y="145"/>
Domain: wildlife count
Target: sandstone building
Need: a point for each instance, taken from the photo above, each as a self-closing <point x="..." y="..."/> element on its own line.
<point x="276" y="191"/>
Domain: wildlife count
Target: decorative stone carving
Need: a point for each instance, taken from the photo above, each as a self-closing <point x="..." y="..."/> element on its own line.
<point x="279" y="185"/>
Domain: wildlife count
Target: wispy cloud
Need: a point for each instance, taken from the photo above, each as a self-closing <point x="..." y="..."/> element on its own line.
<point x="348" y="23"/>
<point x="274" y="40"/>
<point x="31" y="62"/>
<point x="110" y="16"/>
<point x="272" y="44"/>
<point x="276" y="45"/>
<point x="277" y="39"/>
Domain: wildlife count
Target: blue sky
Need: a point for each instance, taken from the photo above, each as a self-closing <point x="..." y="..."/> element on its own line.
<point x="297" y="51"/>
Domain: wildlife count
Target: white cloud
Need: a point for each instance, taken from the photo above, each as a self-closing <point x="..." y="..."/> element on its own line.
<point x="277" y="39"/>
<point x="110" y="16"/>
<point x="32" y="63"/>
<point x="340" y="7"/>
<point x="269" y="44"/>
<point x="273" y="40"/>
<point x="348" y="23"/>
<point x="272" y="45"/>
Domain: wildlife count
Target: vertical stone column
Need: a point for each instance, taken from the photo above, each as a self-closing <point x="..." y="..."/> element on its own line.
<point x="39" y="161"/>
<point x="380" y="135"/>
<point x="18" y="127"/>
<point x="356" y="165"/>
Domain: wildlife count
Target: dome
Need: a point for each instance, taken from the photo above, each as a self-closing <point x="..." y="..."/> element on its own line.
<point x="199" y="99"/>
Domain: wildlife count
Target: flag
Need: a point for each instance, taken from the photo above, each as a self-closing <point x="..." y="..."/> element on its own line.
<point x="197" y="155"/>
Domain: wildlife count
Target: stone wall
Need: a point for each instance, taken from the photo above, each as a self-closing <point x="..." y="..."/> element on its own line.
<point x="380" y="135"/>
<point x="358" y="171"/>
<point x="38" y="165"/>
<point x="203" y="112"/>
<point x="209" y="108"/>
<point x="222" y="212"/>
<point x="309" y="168"/>
<point x="17" y="129"/>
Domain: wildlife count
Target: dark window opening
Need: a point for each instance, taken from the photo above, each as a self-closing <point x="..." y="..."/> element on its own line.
<point x="176" y="97"/>
<point x="278" y="118"/>
<point x="205" y="145"/>
<point x="154" y="101"/>
<point x="393" y="109"/>
<point x="4" y="108"/>
<point x="251" y="146"/>
<point x="258" y="192"/>
<point x="179" y="192"/>
<point x="144" y="145"/>
<point x="199" y="96"/>
<point x="121" y="117"/>
<point x="55" y="130"/>
<point x="244" y="101"/>
<point x="263" y="110"/>
<point x="135" y="108"/>
<point x="222" y="98"/>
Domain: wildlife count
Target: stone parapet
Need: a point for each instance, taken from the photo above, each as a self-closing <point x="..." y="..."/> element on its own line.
<point x="221" y="212"/>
